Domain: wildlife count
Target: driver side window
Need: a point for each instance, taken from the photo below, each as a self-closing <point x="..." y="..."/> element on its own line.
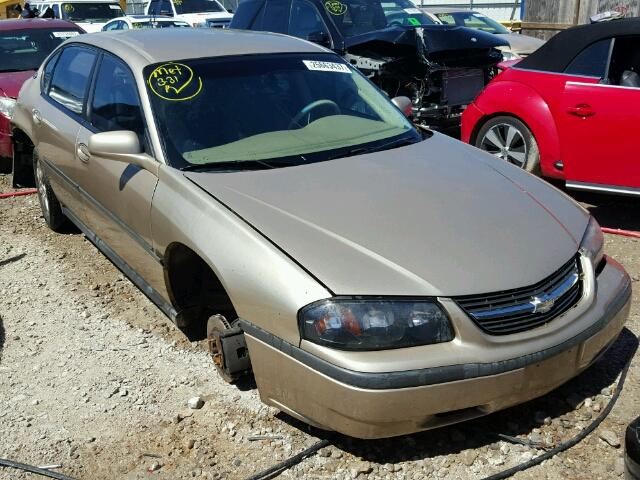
<point x="305" y="21"/>
<point x="115" y="104"/>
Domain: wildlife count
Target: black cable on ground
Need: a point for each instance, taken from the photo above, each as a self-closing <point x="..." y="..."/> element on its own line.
<point x="290" y="462"/>
<point x="30" y="468"/>
<point x="569" y="443"/>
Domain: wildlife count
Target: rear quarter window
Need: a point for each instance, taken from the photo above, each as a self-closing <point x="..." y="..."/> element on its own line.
<point x="592" y="61"/>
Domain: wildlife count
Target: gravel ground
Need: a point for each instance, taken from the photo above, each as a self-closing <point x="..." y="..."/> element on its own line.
<point x="95" y="379"/>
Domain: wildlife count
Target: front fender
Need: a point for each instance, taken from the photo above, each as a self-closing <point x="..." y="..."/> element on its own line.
<point x="266" y="287"/>
<point x="522" y="101"/>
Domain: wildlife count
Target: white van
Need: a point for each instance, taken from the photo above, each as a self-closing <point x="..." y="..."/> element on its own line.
<point x="197" y="13"/>
<point x="91" y="15"/>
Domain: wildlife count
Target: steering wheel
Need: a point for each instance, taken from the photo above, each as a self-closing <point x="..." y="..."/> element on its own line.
<point x="312" y="106"/>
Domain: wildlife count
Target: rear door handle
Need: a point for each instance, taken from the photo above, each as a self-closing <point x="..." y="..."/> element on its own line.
<point x="83" y="152"/>
<point x="37" y="119"/>
<point x="582" y="110"/>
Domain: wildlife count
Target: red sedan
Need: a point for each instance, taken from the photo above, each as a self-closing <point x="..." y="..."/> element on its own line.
<point x="570" y="111"/>
<point x="24" y="44"/>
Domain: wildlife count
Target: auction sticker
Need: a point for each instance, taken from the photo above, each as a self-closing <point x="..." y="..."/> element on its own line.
<point x="175" y="82"/>
<point x="326" y="66"/>
<point x="64" y="34"/>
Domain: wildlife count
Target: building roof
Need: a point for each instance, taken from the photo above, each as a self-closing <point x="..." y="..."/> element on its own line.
<point x="35" y="23"/>
<point x="144" y="47"/>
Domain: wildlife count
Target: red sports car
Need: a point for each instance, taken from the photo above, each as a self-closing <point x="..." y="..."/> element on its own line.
<point x="571" y="110"/>
<point x="24" y="44"/>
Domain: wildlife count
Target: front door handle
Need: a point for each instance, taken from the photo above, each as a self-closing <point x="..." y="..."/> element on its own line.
<point x="582" y="110"/>
<point x="37" y="118"/>
<point x="83" y="152"/>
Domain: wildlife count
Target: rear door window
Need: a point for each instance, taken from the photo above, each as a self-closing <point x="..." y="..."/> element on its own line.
<point x="71" y="78"/>
<point x="592" y="61"/>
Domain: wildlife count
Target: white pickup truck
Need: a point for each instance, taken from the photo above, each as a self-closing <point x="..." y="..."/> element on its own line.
<point x="197" y="13"/>
<point x="91" y="15"/>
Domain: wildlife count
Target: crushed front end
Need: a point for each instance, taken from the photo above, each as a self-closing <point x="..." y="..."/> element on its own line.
<point x="440" y="68"/>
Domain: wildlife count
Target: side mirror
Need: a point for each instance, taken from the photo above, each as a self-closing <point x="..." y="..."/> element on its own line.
<point x="230" y="10"/>
<point x="404" y="104"/>
<point x="319" y="37"/>
<point x="121" y="146"/>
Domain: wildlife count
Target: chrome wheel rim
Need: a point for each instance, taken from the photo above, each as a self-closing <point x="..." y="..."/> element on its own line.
<point x="506" y="142"/>
<point x="42" y="191"/>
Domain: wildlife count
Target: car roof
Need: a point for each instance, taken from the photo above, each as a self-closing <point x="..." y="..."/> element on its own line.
<point x="145" y="46"/>
<point x="562" y="48"/>
<point x="35" y="23"/>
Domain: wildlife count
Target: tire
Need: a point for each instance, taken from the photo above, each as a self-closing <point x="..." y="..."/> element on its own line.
<point x="511" y="140"/>
<point x="51" y="208"/>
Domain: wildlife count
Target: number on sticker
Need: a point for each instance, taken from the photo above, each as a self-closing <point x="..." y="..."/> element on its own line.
<point x="326" y="66"/>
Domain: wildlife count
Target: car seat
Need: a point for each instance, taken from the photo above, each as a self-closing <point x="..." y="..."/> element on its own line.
<point x="629" y="78"/>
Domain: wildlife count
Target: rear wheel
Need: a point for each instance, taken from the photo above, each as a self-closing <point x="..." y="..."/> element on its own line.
<point x="511" y="140"/>
<point x="51" y="209"/>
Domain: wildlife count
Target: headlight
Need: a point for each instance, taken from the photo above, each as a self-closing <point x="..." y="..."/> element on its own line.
<point x="7" y="105"/>
<point x="374" y="324"/>
<point x="592" y="244"/>
<point x="509" y="55"/>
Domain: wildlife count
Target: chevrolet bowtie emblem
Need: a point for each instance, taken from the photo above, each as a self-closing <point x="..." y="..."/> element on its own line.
<point x="541" y="305"/>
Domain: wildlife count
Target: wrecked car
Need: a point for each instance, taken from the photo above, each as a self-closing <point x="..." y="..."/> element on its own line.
<point x="260" y="189"/>
<point x="441" y="68"/>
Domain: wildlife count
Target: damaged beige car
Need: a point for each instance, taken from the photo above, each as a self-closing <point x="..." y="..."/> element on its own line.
<point x="381" y="281"/>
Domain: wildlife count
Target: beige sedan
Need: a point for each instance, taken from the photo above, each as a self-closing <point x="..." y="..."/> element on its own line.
<point x="377" y="280"/>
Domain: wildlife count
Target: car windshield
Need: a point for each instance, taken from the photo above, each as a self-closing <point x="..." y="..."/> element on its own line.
<point x="269" y="111"/>
<point x="472" y="20"/>
<point x="26" y="49"/>
<point x="357" y="17"/>
<point x="197" y="6"/>
<point x="159" y="24"/>
<point x="91" y="12"/>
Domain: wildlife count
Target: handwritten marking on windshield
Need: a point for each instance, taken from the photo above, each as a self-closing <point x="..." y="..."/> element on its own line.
<point x="174" y="82"/>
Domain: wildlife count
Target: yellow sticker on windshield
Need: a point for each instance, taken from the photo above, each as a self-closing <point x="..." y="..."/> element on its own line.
<point x="335" y="7"/>
<point x="174" y="82"/>
<point x="68" y="8"/>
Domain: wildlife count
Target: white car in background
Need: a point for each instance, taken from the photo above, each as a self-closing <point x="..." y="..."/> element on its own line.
<point x="91" y="15"/>
<point x="519" y="45"/>
<point x="143" y="21"/>
<point x="197" y="13"/>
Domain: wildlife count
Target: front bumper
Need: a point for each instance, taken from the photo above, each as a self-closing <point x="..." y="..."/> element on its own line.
<point x="386" y="404"/>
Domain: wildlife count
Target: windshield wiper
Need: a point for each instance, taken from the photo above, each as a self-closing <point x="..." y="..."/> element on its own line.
<point x="231" y="165"/>
<point x="11" y="70"/>
<point x="378" y="148"/>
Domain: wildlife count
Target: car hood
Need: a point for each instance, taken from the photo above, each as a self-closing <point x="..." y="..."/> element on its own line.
<point x="11" y="82"/>
<point x="521" y="44"/>
<point x="434" y="218"/>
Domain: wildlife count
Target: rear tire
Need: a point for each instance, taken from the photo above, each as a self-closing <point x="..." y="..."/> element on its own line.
<point x="51" y="208"/>
<point x="511" y="140"/>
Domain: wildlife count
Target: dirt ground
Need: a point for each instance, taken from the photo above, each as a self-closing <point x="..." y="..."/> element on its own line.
<point x="95" y="379"/>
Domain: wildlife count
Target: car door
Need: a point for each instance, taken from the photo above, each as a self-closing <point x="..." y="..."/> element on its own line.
<point x="57" y="119"/>
<point x="118" y="194"/>
<point x="598" y="118"/>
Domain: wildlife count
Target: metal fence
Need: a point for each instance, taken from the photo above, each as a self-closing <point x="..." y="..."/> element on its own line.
<point x="500" y="10"/>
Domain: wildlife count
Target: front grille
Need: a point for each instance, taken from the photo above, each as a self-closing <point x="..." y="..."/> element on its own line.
<point x="521" y="309"/>
<point x="218" y="23"/>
